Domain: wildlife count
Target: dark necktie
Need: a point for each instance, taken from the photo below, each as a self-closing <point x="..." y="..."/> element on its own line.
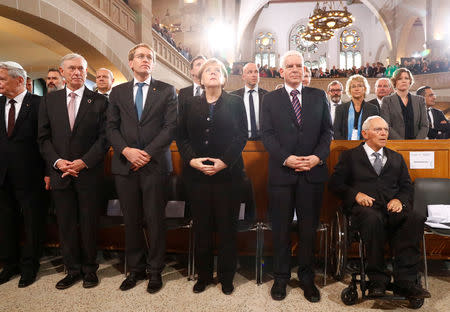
<point x="430" y="123"/>
<point x="11" y="117"/>
<point x="253" y="128"/>
<point x="139" y="100"/>
<point x="296" y="105"/>
<point x="378" y="163"/>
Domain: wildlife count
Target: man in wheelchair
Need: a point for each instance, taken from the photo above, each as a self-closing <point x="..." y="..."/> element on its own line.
<point x="376" y="189"/>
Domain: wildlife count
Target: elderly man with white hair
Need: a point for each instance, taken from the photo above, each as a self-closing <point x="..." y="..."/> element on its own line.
<point x="375" y="186"/>
<point x="383" y="87"/>
<point x="296" y="132"/>
<point x="21" y="177"/>
<point x="104" y="79"/>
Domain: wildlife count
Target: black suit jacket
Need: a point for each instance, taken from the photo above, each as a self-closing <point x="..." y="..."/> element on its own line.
<point x="183" y="95"/>
<point x="153" y="133"/>
<point x="440" y="130"/>
<point x="19" y="154"/>
<point x="341" y="118"/>
<point x="375" y="102"/>
<point x="354" y="173"/>
<point x="224" y="137"/>
<point x="283" y="136"/>
<point x="87" y="140"/>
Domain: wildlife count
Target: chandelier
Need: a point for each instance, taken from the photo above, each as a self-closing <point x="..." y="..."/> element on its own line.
<point x="324" y="21"/>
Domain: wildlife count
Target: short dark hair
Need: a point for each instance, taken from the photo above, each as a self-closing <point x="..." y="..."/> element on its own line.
<point x="53" y="69"/>
<point x="198" y="57"/>
<point x="421" y="90"/>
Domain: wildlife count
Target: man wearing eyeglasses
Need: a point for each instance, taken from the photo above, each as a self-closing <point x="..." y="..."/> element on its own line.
<point x="141" y="121"/>
<point x="374" y="184"/>
<point x="439" y="126"/>
<point x="334" y="92"/>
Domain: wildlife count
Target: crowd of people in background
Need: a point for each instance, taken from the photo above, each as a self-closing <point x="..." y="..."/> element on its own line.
<point x="168" y="36"/>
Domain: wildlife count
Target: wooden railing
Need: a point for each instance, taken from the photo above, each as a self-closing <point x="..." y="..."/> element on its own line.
<point x="115" y="13"/>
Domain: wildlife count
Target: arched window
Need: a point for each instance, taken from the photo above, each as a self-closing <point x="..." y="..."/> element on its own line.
<point x="350" y="49"/>
<point x="296" y="42"/>
<point x="265" y="49"/>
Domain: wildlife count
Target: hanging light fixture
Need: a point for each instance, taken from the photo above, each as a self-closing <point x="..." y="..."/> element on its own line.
<point x="317" y="34"/>
<point x="331" y="16"/>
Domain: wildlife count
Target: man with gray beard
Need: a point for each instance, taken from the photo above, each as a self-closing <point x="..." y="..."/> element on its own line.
<point x="54" y="80"/>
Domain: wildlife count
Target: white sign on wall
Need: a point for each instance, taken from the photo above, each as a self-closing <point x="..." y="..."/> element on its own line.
<point x="421" y="160"/>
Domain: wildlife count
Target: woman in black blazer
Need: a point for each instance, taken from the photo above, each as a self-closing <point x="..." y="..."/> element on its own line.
<point x="211" y="134"/>
<point x="351" y="115"/>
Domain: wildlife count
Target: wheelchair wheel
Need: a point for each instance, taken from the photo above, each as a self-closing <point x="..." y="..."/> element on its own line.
<point x="349" y="295"/>
<point x="338" y="258"/>
<point x="415" y="303"/>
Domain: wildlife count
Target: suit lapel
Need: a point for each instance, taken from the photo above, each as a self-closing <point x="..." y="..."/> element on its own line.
<point x="23" y="113"/>
<point x="129" y="101"/>
<point x="386" y="166"/>
<point x="152" y="97"/>
<point x="365" y="159"/>
<point x="397" y="107"/>
<point x="2" y="116"/>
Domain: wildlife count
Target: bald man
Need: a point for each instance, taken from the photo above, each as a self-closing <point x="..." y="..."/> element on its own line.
<point x="104" y="79"/>
<point x="252" y="96"/>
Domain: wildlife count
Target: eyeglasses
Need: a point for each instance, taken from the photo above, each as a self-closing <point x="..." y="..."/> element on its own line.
<point x="379" y="130"/>
<point x="356" y="86"/>
<point x="143" y="56"/>
<point x="335" y="90"/>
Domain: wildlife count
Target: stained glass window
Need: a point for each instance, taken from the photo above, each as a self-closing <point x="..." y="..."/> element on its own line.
<point x="265" y="45"/>
<point x="296" y="42"/>
<point x="350" y="49"/>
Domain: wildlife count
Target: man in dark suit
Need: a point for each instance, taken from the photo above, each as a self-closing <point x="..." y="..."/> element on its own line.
<point x="104" y="80"/>
<point x="54" y="80"/>
<point x="368" y="71"/>
<point x="374" y="184"/>
<point x="439" y="126"/>
<point x="21" y="177"/>
<point x="296" y="131"/>
<point x="383" y="87"/>
<point x="72" y="140"/>
<point x="195" y="89"/>
<point x="141" y="125"/>
<point x="252" y="96"/>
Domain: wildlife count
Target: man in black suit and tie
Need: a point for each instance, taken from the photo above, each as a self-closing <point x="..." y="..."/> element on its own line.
<point x="195" y="89"/>
<point x="296" y="131"/>
<point x="252" y="96"/>
<point x="141" y="125"/>
<point x="439" y="126"/>
<point x="21" y="177"/>
<point x="72" y="140"/>
<point x="374" y="184"/>
<point x="334" y="91"/>
<point x="383" y="87"/>
<point x="104" y="80"/>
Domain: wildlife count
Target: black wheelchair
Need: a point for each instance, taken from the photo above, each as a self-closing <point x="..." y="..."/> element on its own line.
<point x="342" y="237"/>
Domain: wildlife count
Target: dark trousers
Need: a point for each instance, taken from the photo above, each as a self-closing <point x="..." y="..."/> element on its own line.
<point x="404" y="231"/>
<point x="215" y="206"/>
<point x="143" y="200"/>
<point x="17" y="205"/>
<point x="306" y="199"/>
<point x="78" y="206"/>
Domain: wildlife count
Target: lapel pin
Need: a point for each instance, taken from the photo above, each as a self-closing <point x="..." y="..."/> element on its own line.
<point x="154" y="89"/>
<point x="28" y="105"/>
<point x="89" y="101"/>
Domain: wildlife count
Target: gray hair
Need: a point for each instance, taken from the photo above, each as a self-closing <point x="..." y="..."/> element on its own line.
<point x="357" y="77"/>
<point x="14" y="70"/>
<point x="386" y="79"/>
<point x="287" y="54"/>
<point x="335" y="82"/>
<point x="108" y="70"/>
<point x="366" y="125"/>
<point x="72" y="56"/>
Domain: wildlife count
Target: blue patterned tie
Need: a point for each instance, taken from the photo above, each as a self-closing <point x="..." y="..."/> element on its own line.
<point x="138" y="101"/>
<point x="296" y="105"/>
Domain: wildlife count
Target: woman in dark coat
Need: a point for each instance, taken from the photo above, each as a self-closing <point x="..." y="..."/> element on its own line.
<point x="211" y="134"/>
<point x="350" y="116"/>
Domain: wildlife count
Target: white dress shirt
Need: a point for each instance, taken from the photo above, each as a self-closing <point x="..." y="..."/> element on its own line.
<point x="255" y="96"/>
<point x="19" y="99"/>
<point x="430" y="114"/>
<point x="79" y="94"/>
<point x="379" y="102"/>
<point x="333" y="110"/>
<point x="144" y="90"/>
<point x="370" y="151"/>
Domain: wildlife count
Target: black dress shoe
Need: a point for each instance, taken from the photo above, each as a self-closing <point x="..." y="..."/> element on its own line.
<point x="154" y="283"/>
<point x="132" y="279"/>
<point x="278" y="291"/>
<point x="376" y="289"/>
<point x="90" y="280"/>
<point x="310" y="290"/>
<point x="26" y="279"/>
<point x="7" y="273"/>
<point x="410" y="290"/>
<point x="200" y="286"/>
<point x="227" y="288"/>
<point x="68" y="281"/>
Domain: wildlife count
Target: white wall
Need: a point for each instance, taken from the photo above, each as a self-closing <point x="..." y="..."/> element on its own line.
<point x="279" y="18"/>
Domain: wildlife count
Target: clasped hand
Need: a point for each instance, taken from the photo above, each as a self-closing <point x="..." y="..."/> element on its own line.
<point x="138" y="158"/>
<point x="302" y="163"/>
<point x="210" y="170"/>
<point x="70" y="167"/>
<point x="394" y="205"/>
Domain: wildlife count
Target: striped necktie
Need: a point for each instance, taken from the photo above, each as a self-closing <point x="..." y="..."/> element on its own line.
<point x="296" y="105"/>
